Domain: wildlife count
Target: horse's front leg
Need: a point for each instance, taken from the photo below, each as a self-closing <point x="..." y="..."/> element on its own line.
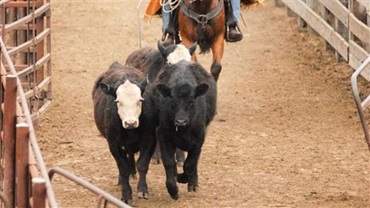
<point x="218" y="52"/>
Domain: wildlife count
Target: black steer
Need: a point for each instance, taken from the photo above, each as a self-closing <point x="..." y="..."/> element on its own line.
<point x="117" y="96"/>
<point x="183" y="98"/>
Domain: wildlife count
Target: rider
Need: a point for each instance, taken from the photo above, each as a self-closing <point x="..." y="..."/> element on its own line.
<point x="232" y="18"/>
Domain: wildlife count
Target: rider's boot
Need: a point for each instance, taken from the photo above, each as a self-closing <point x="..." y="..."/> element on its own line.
<point x="171" y="34"/>
<point x="233" y="32"/>
<point x="167" y="39"/>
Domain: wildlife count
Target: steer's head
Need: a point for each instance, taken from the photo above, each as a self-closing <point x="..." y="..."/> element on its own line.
<point x="128" y="100"/>
<point x="176" y="52"/>
<point x="182" y="102"/>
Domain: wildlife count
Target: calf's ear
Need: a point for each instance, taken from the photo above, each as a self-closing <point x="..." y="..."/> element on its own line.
<point x="162" y="49"/>
<point x="163" y="90"/>
<point x="107" y="89"/>
<point x="201" y="89"/>
<point x="192" y="48"/>
<point x="142" y="85"/>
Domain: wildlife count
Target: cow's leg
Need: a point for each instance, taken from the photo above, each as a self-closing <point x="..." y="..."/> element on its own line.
<point x="123" y="165"/>
<point x="190" y="174"/>
<point x="156" y="159"/>
<point x="169" y="163"/>
<point x="218" y="52"/>
<point x="131" y="158"/>
<point x="146" y="152"/>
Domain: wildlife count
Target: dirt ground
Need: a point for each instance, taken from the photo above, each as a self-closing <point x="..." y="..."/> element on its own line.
<point x="287" y="133"/>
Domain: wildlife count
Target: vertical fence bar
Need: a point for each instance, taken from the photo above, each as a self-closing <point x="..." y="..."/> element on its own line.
<point x="313" y="4"/>
<point x="4" y="201"/>
<point x="22" y="160"/>
<point x="9" y="137"/>
<point x="48" y="50"/>
<point x="39" y="192"/>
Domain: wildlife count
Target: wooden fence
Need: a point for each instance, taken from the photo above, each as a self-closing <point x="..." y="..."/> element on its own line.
<point x="25" y="93"/>
<point x="345" y="26"/>
<point x="26" y="34"/>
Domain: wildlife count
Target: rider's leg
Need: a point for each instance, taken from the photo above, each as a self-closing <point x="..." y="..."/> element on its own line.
<point x="170" y="25"/>
<point x="234" y="32"/>
<point x="235" y="4"/>
<point x="166" y="37"/>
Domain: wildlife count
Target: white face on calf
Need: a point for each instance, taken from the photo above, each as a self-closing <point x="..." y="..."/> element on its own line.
<point x="129" y="102"/>
<point x="179" y="54"/>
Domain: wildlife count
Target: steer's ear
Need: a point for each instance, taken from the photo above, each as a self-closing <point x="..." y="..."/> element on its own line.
<point x="142" y="85"/>
<point x="192" y="48"/>
<point x="164" y="90"/>
<point x="107" y="89"/>
<point x="201" y="89"/>
<point x="162" y="49"/>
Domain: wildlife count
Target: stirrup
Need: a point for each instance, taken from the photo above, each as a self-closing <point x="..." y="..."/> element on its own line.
<point x="227" y="36"/>
<point x="167" y="39"/>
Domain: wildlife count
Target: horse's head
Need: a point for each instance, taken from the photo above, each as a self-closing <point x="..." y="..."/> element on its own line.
<point x="175" y="53"/>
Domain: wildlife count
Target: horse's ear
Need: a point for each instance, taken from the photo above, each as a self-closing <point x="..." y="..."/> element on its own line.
<point x="192" y="48"/>
<point x="161" y="48"/>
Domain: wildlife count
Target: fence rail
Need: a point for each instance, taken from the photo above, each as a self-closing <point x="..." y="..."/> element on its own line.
<point x="345" y="26"/>
<point x="25" y="93"/>
<point x="362" y="104"/>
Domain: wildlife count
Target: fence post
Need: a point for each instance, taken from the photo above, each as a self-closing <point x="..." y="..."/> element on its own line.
<point x="22" y="161"/>
<point x="9" y="137"/>
<point x="39" y="192"/>
<point x="313" y="4"/>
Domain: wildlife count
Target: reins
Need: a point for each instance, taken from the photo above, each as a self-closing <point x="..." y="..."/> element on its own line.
<point x="202" y="19"/>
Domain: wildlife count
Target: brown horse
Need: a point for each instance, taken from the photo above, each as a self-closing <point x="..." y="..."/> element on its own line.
<point x="204" y="22"/>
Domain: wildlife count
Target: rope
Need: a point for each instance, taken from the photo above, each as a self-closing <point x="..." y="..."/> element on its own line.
<point x="172" y="3"/>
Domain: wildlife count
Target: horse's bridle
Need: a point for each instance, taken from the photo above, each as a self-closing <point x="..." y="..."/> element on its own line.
<point x="202" y="19"/>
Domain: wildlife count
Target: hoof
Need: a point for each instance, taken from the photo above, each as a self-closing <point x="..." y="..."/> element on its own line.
<point x="156" y="161"/>
<point x="127" y="201"/>
<point x="143" y="195"/>
<point x="182" y="178"/>
<point x="180" y="163"/>
<point x="175" y="196"/>
<point x="133" y="176"/>
<point x="173" y="191"/>
<point x="192" y="188"/>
